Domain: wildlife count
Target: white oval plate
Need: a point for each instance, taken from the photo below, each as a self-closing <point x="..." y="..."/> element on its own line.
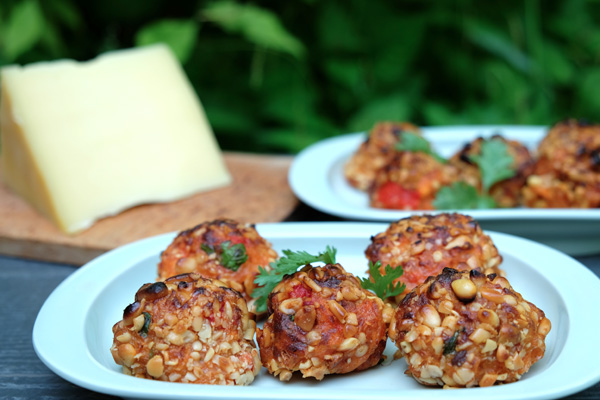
<point x="317" y="178"/>
<point x="72" y="334"/>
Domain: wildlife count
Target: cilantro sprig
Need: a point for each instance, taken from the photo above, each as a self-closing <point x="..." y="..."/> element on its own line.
<point x="232" y="256"/>
<point x="383" y="285"/>
<point x="418" y="144"/>
<point x="146" y="326"/>
<point x="286" y="265"/>
<point x="495" y="164"/>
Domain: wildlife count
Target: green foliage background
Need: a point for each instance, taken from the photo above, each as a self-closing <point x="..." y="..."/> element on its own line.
<point x="275" y="76"/>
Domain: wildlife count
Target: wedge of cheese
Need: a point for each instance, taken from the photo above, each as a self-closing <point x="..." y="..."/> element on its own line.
<point x="85" y="140"/>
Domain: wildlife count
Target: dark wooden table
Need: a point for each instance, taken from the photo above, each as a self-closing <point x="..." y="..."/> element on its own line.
<point x="26" y="285"/>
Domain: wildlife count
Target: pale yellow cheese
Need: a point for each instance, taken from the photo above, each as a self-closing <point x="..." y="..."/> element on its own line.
<point x="84" y="140"/>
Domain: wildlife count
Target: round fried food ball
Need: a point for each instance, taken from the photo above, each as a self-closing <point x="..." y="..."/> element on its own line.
<point x="425" y="244"/>
<point x="216" y="249"/>
<point x="463" y="329"/>
<point x="567" y="171"/>
<point x="322" y="322"/>
<point x="375" y="152"/>
<point x="506" y="193"/>
<point x="410" y="181"/>
<point x="187" y="329"/>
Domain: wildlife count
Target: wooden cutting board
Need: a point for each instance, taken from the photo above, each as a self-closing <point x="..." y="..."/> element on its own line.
<point x="259" y="193"/>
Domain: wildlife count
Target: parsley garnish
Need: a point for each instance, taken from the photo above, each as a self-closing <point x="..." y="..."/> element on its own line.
<point x="461" y="195"/>
<point x="208" y="248"/>
<point x="450" y="343"/>
<point x="495" y="164"/>
<point x="287" y="265"/>
<point x="233" y="256"/>
<point x="146" y="326"/>
<point x="383" y="285"/>
<point x="416" y="143"/>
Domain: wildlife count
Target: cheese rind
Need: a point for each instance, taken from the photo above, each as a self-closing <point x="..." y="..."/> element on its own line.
<point x="81" y="141"/>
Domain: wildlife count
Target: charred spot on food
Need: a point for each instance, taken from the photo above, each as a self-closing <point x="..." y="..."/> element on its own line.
<point x="595" y="158"/>
<point x="476" y="273"/>
<point x="459" y="358"/>
<point x="199" y="291"/>
<point x="464" y="155"/>
<point x="331" y="282"/>
<point x="408" y="315"/>
<point x="422" y="300"/>
<point x="152" y="291"/>
<point x="185" y="276"/>
<point x="131" y="310"/>
<point x="581" y="150"/>
<point x="408" y="297"/>
<point x="182" y="285"/>
<point x="583" y="122"/>
<point x="411" y="230"/>
<point x="397" y="131"/>
<point x="491" y="277"/>
<point x="447" y="276"/>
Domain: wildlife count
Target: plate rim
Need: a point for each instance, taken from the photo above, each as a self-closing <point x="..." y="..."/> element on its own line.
<point x="315" y="190"/>
<point x="144" y="248"/>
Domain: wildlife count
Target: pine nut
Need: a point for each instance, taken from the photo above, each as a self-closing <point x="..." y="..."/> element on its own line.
<point x="155" y="367"/>
<point x="337" y="310"/>
<point x="290" y="306"/>
<point x="362" y="350"/>
<point x="464" y="289"/>
<point x="431" y="316"/>
<point x="489" y="346"/>
<point x="348" y="344"/>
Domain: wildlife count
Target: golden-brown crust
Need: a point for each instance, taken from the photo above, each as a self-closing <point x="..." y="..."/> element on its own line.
<point x="418" y="174"/>
<point x="490" y="336"/>
<point x="375" y="152"/>
<point x="189" y="253"/>
<point x="425" y="244"/>
<point x="322" y="322"/>
<point x="507" y="192"/>
<point x="187" y="329"/>
<point x="567" y="171"/>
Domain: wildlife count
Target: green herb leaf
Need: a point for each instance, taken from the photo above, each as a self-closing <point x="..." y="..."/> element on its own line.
<point x="233" y="256"/>
<point x="146" y="326"/>
<point x="180" y="35"/>
<point x="208" y="249"/>
<point x="450" y="343"/>
<point x="416" y="143"/>
<point x="287" y="265"/>
<point x="460" y="196"/>
<point x="383" y="285"/>
<point x="494" y="162"/>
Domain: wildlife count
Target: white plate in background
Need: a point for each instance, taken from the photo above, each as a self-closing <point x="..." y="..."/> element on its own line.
<point x="72" y="334"/>
<point x="317" y="178"/>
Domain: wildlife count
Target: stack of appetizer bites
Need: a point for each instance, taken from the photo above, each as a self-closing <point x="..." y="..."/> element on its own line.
<point x="459" y="323"/>
<point x="398" y="169"/>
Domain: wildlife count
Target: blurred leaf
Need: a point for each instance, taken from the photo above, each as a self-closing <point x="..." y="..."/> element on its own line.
<point x="226" y="119"/>
<point x="179" y="34"/>
<point x="395" y="107"/>
<point x="258" y="25"/>
<point x="337" y="31"/>
<point x="496" y="42"/>
<point x="23" y="30"/>
<point x="439" y="114"/>
<point x="66" y="13"/>
<point x="348" y="73"/>
<point x="588" y="93"/>
<point x="556" y="64"/>
<point x="52" y="41"/>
